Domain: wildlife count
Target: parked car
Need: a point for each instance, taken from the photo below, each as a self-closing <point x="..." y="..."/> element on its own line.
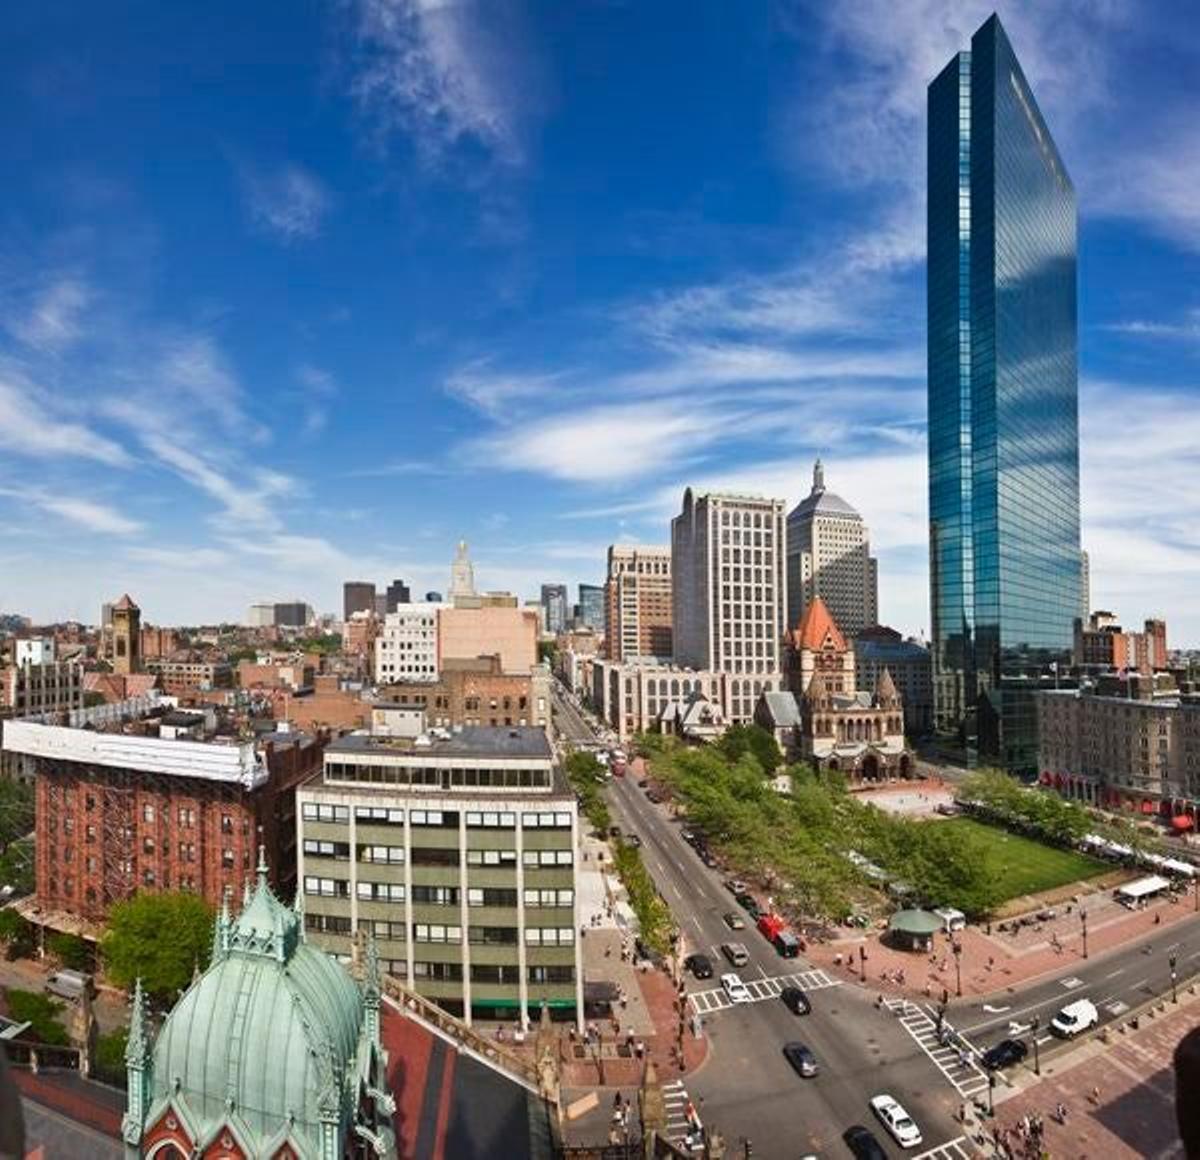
<point x="1075" y="1018"/>
<point x="896" y="1120"/>
<point x="736" y="886"/>
<point x="644" y="783"/>
<point x="734" y="921"/>
<point x="687" y="835"/>
<point x="614" y="831"/>
<point x="795" y="1000"/>
<point x="735" y="988"/>
<point x="801" y="1059"/>
<point x="652" y="797"/>
<point x="746" y="900"/>
<point x="633" y="840"/>
<point x="863" y="1143"/>
<point x="708" y="858"/>
<point x="1004" y="1054"/>
<point x="736" y="953"/>
<point x="68" y="984"/>
<point x="700" y="966"/>
<point x="952" y="920"/>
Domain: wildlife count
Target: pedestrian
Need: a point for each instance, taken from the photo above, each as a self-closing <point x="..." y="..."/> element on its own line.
<point x="1096" y="1096"/>
<point x="991" y="962"/>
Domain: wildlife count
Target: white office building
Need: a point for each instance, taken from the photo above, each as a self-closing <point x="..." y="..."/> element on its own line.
<point x="407" y="646"/>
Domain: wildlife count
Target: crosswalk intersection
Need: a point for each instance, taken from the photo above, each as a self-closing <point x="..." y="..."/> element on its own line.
<point x="954" y="1059"/>
<point x="706" y="1002"/>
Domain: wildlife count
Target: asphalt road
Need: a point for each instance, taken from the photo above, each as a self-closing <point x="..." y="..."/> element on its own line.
<point x="748" y="1088"/>
<point x="571" y="724"/>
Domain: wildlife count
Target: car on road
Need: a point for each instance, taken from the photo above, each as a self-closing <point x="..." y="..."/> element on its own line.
<point x="735" y="953"/>
<point x="749" y="904"/>
<point x="644" y="783"/>
<point x="1004" y="1054"/>
<point x="795" y="1000"/>
<point x="735" y="988"/>
<point x="708" y="858"/>
<point x="801" y="1059"/>
<point x="700" y="966"/>
<point x="863" y="1143"/>
<point x="614" y="831"/>
<point x="687" y="835"/>
<point x="1075" y="1018"/>
<point x="653" y="797"/>
<point x="633" y="840"/>
<point x="896" y="1120"/>
<point x="734" y="921"/>
<point x="736" y="886"/>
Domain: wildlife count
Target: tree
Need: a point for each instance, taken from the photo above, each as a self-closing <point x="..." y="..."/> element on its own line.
<point x="16" y="867"/>
<point x="16" y="811"/>
<point x="17" y="935"/>
<point x="159" y="938"/>
<point x="110" y="1056"/>
<point x="70" y="950"/>
<point x="40" y="1012"/>
<point x="738" y="740"/>
<point x="547" y="651"/>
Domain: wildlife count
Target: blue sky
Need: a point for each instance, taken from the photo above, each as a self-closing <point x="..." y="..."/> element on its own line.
<point x="298" y="293"/>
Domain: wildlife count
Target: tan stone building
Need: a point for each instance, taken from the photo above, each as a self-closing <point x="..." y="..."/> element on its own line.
<point x="1127" y="743"/>
<point x="468" y="633"/>
<point x="637" y="603"/>
<point x="477" y="691"/>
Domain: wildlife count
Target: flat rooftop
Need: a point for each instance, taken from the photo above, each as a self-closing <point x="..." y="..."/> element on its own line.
<point x="512" y="741"/>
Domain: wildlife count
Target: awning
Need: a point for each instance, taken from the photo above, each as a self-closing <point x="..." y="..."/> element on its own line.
<point x="601" y="992"/>
<point x="915" y="922"/>
<point x="1148" y="807"/>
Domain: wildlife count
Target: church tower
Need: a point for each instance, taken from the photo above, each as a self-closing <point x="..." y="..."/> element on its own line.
<point x="126" y="637"/>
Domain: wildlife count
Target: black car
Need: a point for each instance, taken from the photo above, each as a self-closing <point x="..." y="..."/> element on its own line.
<point x="795" y="1000"/>
<point x="652" y="797"/>
<point x="746" y="900"/>
<point x="709" y="860"/>
<point x="801" y="1059"/>
<point x="1005" y="1054"/>
<point x="643" y="783"/>
<point x="863" y="1143"/>
<point x="700" y="966"/>
<point x="632" y="840"/>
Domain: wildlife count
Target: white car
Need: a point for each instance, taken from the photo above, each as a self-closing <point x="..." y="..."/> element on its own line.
<point x="1074" y="1018"/>
<point x="896" y="1120"/>
<point x="735" y="988"/>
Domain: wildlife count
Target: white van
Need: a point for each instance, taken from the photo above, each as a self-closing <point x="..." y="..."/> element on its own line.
<point x="67" y="984"/>
<point x="952" y="920"/>
<point x="1075" y="1018"/>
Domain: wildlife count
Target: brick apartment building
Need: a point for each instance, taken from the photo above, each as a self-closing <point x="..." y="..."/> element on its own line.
<point x="477" y="691"/>
<point x="182" y="674"/>
<point x="1101" y="644"/>
<point x="638" y="603"/>
<point x="150" y="798"/>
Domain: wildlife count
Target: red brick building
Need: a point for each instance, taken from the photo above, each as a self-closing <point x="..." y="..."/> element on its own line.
<point x="154" y="802"/>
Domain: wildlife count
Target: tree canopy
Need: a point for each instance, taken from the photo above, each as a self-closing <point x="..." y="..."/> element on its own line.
<point x="159" y="938"/>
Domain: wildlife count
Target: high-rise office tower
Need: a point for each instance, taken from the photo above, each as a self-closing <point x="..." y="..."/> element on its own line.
<point x="357" y="596"/>
<point x="397" y="594"/>
<point x="637" y="603"/>
<point x="730" y="591"/>
<point x="829" y="555"/>
<point x="554" y="607"/>
<point x="1003" y="401"/>
<point x="591" y="607"/>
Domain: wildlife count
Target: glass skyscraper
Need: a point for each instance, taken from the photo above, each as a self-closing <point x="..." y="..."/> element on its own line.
<point x="1003" y="402"/>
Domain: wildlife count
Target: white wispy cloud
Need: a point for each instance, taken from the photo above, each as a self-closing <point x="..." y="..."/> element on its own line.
<point x="1187" y="327"/>
<point x="53" y="320"/>
<point x="31" y="424"/>
<point x="289" y="202"/>
<point x="495" y="392"/>
<point x="448" y="73"/>
<point x="87" y="514"/>
<point x="318" y="388"/>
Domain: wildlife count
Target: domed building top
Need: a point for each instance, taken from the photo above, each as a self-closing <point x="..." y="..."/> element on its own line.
<point x="820" y="501"/>
<point x="273" y="1045"/>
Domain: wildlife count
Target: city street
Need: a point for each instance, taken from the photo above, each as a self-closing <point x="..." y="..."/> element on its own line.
<point x="570" y="723"/>
<point x="747" y="1087"/>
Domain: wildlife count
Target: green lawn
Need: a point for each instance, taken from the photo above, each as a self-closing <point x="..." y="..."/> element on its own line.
<point x="1026" y="866"/>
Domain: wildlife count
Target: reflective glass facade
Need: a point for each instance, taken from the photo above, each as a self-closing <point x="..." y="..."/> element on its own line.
<point x="1003" y="401"/>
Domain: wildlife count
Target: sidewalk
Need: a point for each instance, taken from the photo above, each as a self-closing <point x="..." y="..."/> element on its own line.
<point x="998" y="962"/>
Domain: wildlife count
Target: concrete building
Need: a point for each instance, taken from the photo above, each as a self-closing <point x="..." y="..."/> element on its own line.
<point x="1128" y="742"/>
<point x="911" y="666"/>
<point x="357" y="596"/>
<point x="458" y="855"/>
<point x="260" y="616"/>
<point x="477" y="691"/>
<point x="407" y="646"/>
<point x="462" y="574"/>
<point x="555" y="608"/>
<point x="590" y="610"/>
<point x="34" y="651"/>
<point x="158" y="642"/>
<point x="1101" y="645"/>
<point x="29" y="689"/>
<point x="292" y="614"/>
<point x="640" y="698"/>
<point x="730" y="592"/>
<point x="189" y="673"/>
<point x="829" y="555"/>
<point x="638" y="605"/>
<point x="126" y="636"/>
<point x="140" y="796"/>
<point x="397" y="594"/>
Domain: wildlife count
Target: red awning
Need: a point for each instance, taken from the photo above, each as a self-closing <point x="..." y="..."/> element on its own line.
<point x="1147" y="807"/>
<point x="1182" y="823"/>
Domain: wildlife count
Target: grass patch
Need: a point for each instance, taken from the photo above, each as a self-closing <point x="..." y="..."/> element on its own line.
<point x="1023" y="866"/>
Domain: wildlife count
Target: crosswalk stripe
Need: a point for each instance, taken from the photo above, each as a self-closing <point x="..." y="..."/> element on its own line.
<point x="966" y="1078"/>
<point x="769" y="987"/>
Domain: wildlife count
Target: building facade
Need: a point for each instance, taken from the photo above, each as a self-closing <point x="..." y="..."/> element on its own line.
<point x="730" y="592"/>
<point x="829" y="555"/>
<point x="357" y="596"/>
<point x="188" y="674"/>
<point x="1003" y="401"/>
<point x="590" y="612"/>
<point x="462" y="575"/>
<point x="638" y="605"/>
<point x="554" y="608"/>
<point x="491" y="629"/>
<point x="52" y="687"/>
<point x="292" y="614"/>
<point x="458" y="855"/>
<point x="1127" y="742"/>
<point x="126" y="630"/>
<point x="260" y="616"/>
<point x="1101" y="645"/>
<point x="638" y="698"/>
<point x="407" y="646"/>
<point x="397" y="594"/>
<point x="911" y="667"/>
<point x="125" y="805"/>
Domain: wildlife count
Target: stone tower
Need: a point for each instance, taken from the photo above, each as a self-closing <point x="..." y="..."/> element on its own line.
<point x="462" y="572"/>
<point x="126" y="636"/>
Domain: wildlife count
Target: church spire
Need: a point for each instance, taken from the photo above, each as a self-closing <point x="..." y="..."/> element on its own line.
<point x="137" y="1069"/>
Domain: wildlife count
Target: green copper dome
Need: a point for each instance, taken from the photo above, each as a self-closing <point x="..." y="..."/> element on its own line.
<point x="269" y="1035"/>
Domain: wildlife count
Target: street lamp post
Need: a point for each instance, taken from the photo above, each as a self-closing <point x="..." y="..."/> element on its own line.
<point x="1083" y="924"/>
<point x="1174" y="977"/>
<point x="1037" y="1061"/>
<point x="957" y="948"/>
<point x="862" y="962"/>
<point x="1196" y="891"/>
<point x="991" y="1097"/>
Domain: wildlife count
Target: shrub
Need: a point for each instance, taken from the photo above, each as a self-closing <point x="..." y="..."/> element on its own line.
<point x="71" y="950"/>
<point x="41" y="1013"/>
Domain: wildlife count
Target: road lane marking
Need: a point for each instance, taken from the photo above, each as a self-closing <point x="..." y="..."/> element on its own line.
<point x="761" y="990"/>
<point x="963" y="1074"/>
<point x="957" y="1149"/>
<point x="1114" y="974"/>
